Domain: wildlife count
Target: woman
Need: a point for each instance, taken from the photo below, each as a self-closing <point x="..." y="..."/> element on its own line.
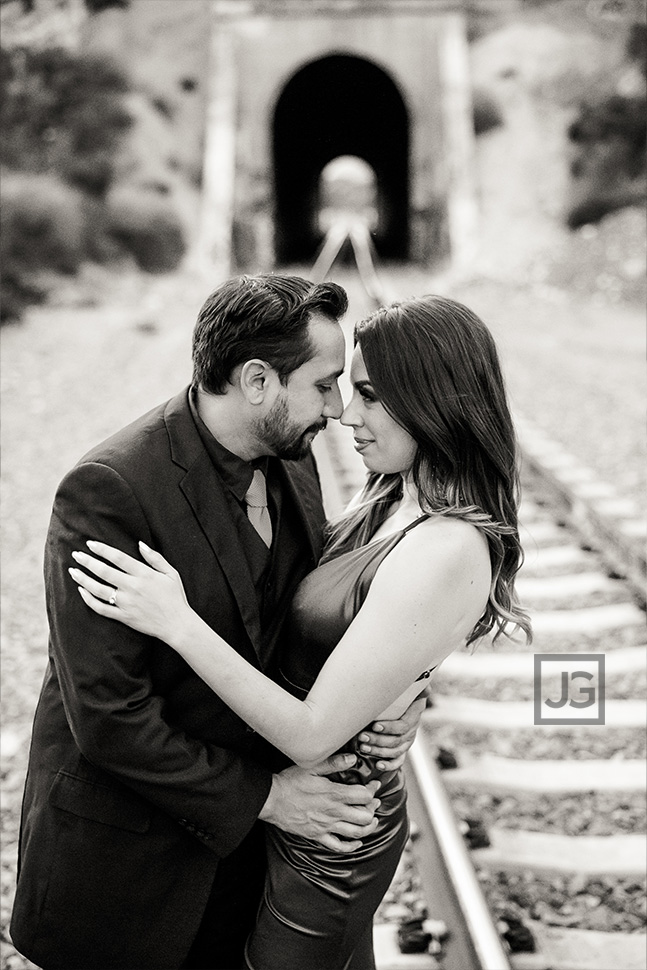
<point x="423" y="562"/>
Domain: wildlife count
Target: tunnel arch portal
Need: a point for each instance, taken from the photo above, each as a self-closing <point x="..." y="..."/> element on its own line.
<point x="339" y="105"/>
<point x="295" y="84"/>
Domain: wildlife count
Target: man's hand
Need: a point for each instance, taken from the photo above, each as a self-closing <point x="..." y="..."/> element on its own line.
<point x="303" y="801"/>
<point x="390" y="740"/>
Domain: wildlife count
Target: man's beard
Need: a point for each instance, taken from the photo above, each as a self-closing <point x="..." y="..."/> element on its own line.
<point x="284" y="438"/>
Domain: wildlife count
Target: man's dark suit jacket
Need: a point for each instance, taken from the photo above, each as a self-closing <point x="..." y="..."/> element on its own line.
<point x="140" y="779"/>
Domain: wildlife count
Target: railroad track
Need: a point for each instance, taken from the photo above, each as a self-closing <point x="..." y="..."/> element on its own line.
<point x="531" y="845"/>
<point x="557" y="808"/>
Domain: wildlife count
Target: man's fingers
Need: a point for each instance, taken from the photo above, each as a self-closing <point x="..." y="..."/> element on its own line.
<point x="357" y="815"/>
<point x="339" y="845"/>
<point x="408" y="722"/>
<point x="336" y="762"/>
<point x="389" y="753"/>
<point x="358" y="794"/>
<point x="348" y="831"/>
<point x="389" y="727"/>
<point x="376" y="741"/>
<point x="386" y="741"/>
<point x="392" y="729"/>
<point x="391" y="764"/>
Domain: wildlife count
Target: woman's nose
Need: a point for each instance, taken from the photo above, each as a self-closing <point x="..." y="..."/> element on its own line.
<point x="350" y="416"/>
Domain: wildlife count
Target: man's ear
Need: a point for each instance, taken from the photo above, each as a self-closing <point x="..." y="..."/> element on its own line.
<point x="256" y="380"/>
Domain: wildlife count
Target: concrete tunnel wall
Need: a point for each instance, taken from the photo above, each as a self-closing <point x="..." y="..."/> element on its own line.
<point x="296" y="89"/>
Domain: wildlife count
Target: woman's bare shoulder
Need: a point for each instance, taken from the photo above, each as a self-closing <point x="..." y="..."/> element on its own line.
<point x="437" y="578"/>
<point x="441" y="545"/>
<point x="447" y="534"/>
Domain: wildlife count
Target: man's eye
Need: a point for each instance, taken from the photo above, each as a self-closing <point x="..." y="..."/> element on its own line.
<point x="325" y="387"/>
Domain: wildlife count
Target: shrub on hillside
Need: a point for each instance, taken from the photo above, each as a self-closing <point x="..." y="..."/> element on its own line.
<point x="43" y="229"/>
<point x="43" y="221"/>
<point x="64" y="116"/>
<point x="146" y="225"/>
<point x="97" y="6"/>
<point x="62" y="112"/>
<point x="615" y="118"/>
<point x="608" y="165"/>
<point x="18" y="293"/>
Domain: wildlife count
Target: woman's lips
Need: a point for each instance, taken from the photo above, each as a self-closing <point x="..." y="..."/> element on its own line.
<point x="362" y="443"/>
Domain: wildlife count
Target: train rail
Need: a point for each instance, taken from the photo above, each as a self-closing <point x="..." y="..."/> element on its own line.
<point x="531" y="846"/>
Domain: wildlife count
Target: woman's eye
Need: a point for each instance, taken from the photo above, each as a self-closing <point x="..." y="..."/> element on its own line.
<point x="367" y="396"/>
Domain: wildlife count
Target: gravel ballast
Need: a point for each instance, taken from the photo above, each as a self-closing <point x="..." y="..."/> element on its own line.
<point x="72" y="374"/>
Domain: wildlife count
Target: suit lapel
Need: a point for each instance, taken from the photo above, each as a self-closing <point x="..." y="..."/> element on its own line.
<point x="303" y="484"/>
<point x="205" y="494"/>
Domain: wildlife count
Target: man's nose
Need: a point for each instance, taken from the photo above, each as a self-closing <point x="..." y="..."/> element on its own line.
<point x="335" y="405"/>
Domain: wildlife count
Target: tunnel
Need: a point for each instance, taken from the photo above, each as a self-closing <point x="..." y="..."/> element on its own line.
<point x="337" y="106"/>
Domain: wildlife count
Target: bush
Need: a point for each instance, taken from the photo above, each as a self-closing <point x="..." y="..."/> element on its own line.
<point x="608" y="162"/>
<point x="43" y="229"/>
<point x="614" y="117"/>
<point x="17" y="293"/>
<point x="62" y="112"/>
<point x="63" y="117"/>
<point x="637" y="45"/>
<point x="146" y="225"/>
<point x="43" y="222"/>
<point x="96" y="6"/>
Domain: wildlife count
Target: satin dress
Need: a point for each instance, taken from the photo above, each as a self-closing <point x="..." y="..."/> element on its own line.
<point x="318" y="905"/>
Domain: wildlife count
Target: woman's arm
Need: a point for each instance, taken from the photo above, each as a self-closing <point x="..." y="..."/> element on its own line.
<point x="419" y="608"/>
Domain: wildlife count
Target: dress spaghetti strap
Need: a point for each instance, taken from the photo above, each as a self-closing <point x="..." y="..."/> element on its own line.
<point x="412" y="525"/>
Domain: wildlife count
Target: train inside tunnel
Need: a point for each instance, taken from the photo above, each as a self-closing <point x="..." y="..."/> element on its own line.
<point x="336" y="108"/>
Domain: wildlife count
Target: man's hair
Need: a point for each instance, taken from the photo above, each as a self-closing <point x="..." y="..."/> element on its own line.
<point x="264" y="317"/>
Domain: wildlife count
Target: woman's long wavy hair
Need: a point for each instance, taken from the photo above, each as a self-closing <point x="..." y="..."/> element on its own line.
<point x="434" y="366"/>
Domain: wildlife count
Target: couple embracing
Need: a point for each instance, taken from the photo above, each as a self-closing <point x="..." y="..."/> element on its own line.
<point x="233" y="683"/>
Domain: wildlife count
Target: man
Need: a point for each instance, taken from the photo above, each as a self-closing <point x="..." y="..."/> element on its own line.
<point x="140" y="846"/>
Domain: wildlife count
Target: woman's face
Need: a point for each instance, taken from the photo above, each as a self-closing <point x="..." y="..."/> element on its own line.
<point x="384" y="445"/>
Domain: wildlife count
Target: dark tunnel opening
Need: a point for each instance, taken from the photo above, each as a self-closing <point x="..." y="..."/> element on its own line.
<point x="339" y="105"/>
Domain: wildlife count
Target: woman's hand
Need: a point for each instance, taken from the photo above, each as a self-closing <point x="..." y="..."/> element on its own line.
<point x="149" y="598"/>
